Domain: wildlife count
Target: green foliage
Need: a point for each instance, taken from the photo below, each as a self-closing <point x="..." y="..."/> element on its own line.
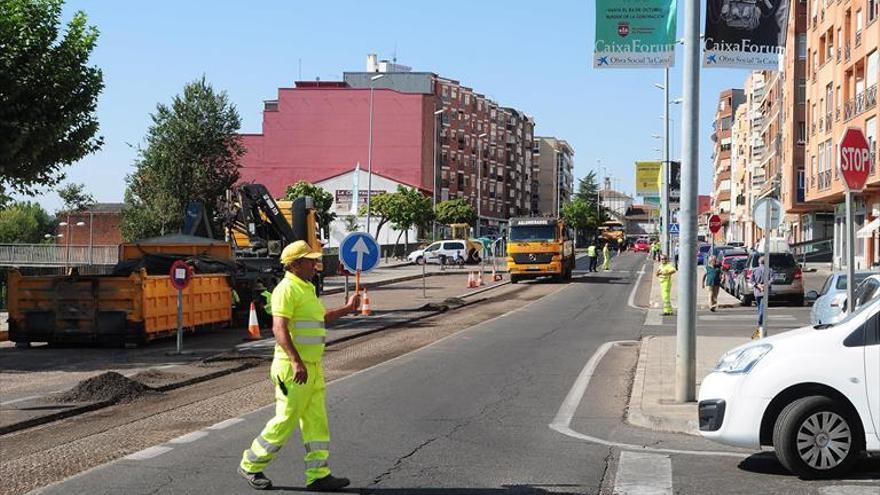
<point x="350" y="222"/>
<point x="455" y="211"/>
<point x="323" y="202"/>
<point x="382" y="206"/>
<point x="588" y="193"/>
<point x="577" y="214"/>
<point x="75" y="197"/>
<point x="192" y="152"/>
<point x="24" y="222"/>
<point x="48" y="94"/>
<point x="411" y="209"/>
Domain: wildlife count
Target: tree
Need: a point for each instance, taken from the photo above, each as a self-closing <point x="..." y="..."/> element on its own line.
<point x="323" y="202"/>
<point x="382" y="206"/>
<point x="411" y="209"/>
<point x="455" y="211"/>
<point x="577" y="215"/>
<point x="350" y="223"/>
<point x="588" y="193"/>
<point x="48" y="94"/>
<point x="75" y="198"/>
<point x="24" y="222"/>
<point x="192" y="152"/>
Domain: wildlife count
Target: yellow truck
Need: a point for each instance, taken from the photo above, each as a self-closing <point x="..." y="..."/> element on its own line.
<point x="539" y="247"/>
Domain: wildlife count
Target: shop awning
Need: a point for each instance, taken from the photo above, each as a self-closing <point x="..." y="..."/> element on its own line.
<point x="869" y="229"/>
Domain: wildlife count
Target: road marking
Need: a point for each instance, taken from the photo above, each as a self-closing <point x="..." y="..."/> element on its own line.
<point x="189" y="437"/>
<point x="562" y="422"/>
<point x="643" y="474"/>
<point x="7" y="402"/>
<point x="226" y="424"/>
<point x="148" y="453"/>
<point x="632" y="293"/>
<point x="743" y="317"/>
<point x="654" y="318"/>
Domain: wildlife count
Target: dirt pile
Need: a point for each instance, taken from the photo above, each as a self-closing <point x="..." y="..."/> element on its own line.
<point x="109" y="386"/>
<point x="157" y="376"/>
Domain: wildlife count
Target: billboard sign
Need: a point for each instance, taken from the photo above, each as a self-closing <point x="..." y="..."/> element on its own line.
<point x="674" y="182"/>
<point x="747" y="34"/>
<point x="634" y="34"/>
<point x="648" y="179"/>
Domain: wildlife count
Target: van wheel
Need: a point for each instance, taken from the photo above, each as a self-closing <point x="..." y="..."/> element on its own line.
<point x="816" y="437"/>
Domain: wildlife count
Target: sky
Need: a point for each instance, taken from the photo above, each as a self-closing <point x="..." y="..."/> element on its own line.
<point x="532" y="56"/>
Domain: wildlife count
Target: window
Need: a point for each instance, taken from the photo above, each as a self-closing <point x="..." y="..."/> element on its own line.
<point x="802" y="46"/>
<point x="801" y="132"/>
<point x="872" y="10"/>
<point x="871" y="136"/>
<point x="802" y="91"/>
<point x="871" y="71"/>
<point x="452" y="246"/>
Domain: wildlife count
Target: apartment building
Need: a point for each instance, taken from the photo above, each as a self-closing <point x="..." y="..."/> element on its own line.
<point x="484" y="149"/>
<point x="728" y="101"/>
<point x="554" y="174"/>
<point x="841" y="92"/>
<point x="740" y="225"/>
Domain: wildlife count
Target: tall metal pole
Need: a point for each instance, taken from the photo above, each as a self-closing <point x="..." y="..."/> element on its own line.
<point x="664" y="169"/>
<point x="479" y="184"/>
<point x="436" y="175"/>
<point x="370" y="163"/>
<point x="767" y="279"/>
<point x="686" y="328"/>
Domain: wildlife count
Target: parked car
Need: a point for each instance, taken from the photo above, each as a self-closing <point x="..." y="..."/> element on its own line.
<point x="703" y="253"/>
<point x="787" y="284"/>
<point x="813" y="394"/>
<point x="452" y="251"/>
<point x="641" y="246"/>
<point x="829" y="302"/>
<point x="731" y="265"/>
<point x="738" y="244"/>
<point x="719" y="249"/>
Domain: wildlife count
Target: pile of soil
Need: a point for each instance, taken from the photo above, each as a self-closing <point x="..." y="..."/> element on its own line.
<point x="153" y="376"/>
<point x="109" y="386"/>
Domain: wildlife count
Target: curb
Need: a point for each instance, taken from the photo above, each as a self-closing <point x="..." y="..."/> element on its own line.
<point x="635" y="414"/>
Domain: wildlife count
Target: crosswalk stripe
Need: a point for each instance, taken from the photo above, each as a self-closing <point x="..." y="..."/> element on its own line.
<point x="639" y="473"/>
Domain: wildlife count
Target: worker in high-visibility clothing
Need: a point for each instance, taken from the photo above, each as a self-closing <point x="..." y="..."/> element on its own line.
<point x="606" y="257"/>
<point x="297" y="375"/>
<point x="593" y="257"/>
<point x="664" y="273"/>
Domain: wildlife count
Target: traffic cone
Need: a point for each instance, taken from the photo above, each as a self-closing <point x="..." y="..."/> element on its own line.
<point x="495" y="275"/>
<point x="365" y="304"/>
<point x="470" y="281"/>
<point x="473" y="280"/>
<point x="480" y="281"/>
<point x="253" y="325"/>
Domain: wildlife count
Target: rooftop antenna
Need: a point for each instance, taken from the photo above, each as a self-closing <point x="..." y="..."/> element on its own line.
<point x="394" y="55"/>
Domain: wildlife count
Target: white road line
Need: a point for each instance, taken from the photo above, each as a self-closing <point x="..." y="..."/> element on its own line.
<point x="226" y="424"/>
<point x="562" y="422"/>
<point x="848" y="490"/>
<point x="743" y="317"/>
<point x="148" y="453"/>
<point x="7" y="402"/>
<point x="643" y="474"/>
<point x="632" y="293"/>
<point x="189" y="437"/>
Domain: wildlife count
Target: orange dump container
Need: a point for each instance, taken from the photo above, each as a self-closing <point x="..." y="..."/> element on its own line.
<point x="132" y="309"/>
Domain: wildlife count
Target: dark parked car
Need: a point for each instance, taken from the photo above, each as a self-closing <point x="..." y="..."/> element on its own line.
<point x="733" y="262"/>
<point x="787" y="284"/>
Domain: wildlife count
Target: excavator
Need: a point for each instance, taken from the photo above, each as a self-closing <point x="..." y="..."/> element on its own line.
<point x="258" y="228"/>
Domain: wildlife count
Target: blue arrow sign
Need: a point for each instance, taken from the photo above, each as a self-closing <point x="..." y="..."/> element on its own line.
<point x="359" y="252"/>
<point x="673" y="228"/>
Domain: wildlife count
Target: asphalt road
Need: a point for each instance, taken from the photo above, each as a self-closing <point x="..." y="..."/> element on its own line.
<point x="471" y="414"/>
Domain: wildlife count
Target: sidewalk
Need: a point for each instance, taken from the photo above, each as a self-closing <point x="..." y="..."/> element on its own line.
<point x="651" y="403"/>
<point x="725" y="300"/>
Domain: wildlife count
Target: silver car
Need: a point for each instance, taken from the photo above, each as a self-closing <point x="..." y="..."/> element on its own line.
<point x="830" y="302"/>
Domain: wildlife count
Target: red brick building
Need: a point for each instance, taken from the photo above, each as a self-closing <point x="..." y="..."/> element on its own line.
<point x="96" y="226"/>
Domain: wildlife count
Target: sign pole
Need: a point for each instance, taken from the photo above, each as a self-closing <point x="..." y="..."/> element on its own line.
<point x="179" y="320"/>
<point x="346" y="286"/>
<point x="765" y="302"/>
<point x="850" y="254"/>
<point x="424" y="264"/>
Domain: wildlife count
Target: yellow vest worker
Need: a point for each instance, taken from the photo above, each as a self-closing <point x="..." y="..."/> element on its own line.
<point x="606" y="255"/>
<point x="591" y="251"/>
<point x="664" y="273"/>
<point x="297" y="375"/>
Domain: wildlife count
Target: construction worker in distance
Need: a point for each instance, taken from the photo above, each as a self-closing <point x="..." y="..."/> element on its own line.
<point x="655" y="250"/>
<point x="606" y="257"/>
<point x="664" y="273"/>
<point x="297" y="375"/>
<point x="593" y="256"/>
<point x="619" y="245"/>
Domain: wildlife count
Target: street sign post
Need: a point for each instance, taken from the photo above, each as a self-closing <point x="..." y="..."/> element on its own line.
<point x="767" y="215"/>
<point x="854" y="164"/>
<point x="359" y="252"/>
<point x="180" y="277"/>
<point x="674" y="229"/>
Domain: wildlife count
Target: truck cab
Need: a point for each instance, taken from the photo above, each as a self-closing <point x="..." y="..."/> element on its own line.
<point x="539" y="247"/>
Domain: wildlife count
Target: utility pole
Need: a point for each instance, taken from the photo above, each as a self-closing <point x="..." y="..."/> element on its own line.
<point x="664" y="169"/>
<point x="686" y="328"/>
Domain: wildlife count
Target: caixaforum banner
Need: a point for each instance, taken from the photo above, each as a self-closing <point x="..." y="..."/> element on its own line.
<point x="634" y="34"/>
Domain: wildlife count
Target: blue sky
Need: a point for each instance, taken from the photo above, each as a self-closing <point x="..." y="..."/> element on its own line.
<point x="532" y="56"/>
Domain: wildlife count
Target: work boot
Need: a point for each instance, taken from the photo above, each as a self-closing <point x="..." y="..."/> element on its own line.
<point x="258" y="481"/>
<point x="328" y="483"/>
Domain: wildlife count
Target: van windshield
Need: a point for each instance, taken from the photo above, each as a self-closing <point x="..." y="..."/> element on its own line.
<point x="531" y="233"/>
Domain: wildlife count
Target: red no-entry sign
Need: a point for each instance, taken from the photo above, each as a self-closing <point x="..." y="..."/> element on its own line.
<point x="714" y="224"/>
<point x="854" y="162"/>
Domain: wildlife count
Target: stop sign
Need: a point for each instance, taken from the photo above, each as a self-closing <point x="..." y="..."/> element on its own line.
<point x="714" y="224"/>
<point x="854" y="162"/>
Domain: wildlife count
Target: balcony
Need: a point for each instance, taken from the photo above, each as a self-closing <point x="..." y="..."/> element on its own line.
<point x="863" y="101"/>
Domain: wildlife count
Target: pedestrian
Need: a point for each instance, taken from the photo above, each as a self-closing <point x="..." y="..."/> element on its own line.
<point x="665" y="272"/>
<point x="297" y="375"/>
<point x="712" y="281"/>
<point x="620" y="246"/>
<point x="593" y="256"/>
<point x="760" y="282"/>
<point x="606" y="257"/>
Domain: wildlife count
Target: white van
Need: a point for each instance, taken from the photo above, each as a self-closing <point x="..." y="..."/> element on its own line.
<point x="455" y="252"/>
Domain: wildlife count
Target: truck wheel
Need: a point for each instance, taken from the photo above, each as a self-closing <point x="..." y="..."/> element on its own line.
<point x="514" y="279"/>
<point x="817" y="437"/>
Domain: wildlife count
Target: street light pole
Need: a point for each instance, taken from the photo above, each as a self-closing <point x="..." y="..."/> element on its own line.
<point x="686" y="329"/>
<point x="370" y="154"/>
<point x="479" y="181"/>
<point x="436" y="194"/>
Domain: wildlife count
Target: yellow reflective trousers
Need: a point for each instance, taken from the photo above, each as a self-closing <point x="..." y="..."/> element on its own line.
<point x="300" y="406"/>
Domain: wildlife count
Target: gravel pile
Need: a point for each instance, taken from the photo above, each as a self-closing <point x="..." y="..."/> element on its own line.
<point x="156" y="376"/>
<point x="109" y="386"/>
